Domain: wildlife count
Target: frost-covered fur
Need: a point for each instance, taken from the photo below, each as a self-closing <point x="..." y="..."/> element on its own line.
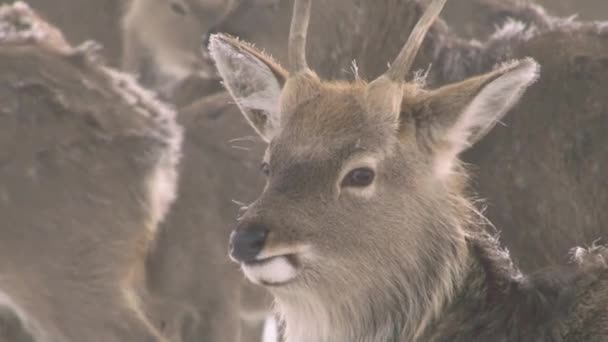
<point x="499" y="304"/>
<point x="594" y="256"/>
<point x="162" y="181"/>
<point x="20" y="25"/>
<point x="457" y="59"/>
<point x="259" y="102"/>
<point x="83" y="192"/>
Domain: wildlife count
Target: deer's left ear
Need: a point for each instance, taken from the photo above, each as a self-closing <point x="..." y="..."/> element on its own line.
<point x="453" y="118"/>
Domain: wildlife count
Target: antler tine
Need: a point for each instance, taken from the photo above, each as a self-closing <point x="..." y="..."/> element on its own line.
<point x="404" y="61"/>
<point x="297" y="36"/>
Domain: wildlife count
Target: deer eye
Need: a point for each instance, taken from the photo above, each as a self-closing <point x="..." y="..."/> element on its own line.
<point x="265" y="168"/>
<point x="360" y="177"/>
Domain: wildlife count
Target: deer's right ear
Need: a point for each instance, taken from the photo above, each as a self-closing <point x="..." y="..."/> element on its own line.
<point x="254" y="81"/>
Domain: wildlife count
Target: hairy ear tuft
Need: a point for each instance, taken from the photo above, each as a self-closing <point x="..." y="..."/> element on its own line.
<point x="253" y="79"/>
<point x="494" y="100"/>
<point x="462" y="113"/>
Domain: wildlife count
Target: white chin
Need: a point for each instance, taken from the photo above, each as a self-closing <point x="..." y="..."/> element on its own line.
<point x="274" y="271"/>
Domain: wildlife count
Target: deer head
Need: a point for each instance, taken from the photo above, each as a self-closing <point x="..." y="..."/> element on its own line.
<point x="362" y="221"/>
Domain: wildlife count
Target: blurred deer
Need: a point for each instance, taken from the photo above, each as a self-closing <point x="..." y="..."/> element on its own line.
<point x="163" y="39"/>
<point x="89" y="170"/>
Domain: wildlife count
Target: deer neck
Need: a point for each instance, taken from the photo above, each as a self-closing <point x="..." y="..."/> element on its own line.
<point x="497" y="303"/>
<point x="384" y="310"/>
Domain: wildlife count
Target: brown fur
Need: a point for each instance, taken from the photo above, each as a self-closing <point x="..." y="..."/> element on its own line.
<point x="518" y="195"/>
<point x="88" y="172"/>
<point x="197" y="276"/>
<point x="163" y="39"/>
<point x="269" y="30"/>
<point x="387" y="261"/>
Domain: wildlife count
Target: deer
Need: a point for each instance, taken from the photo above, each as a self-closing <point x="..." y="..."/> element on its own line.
<point x="89" y="170"/>
<point x="568" y="193"/>
<point x="211" y="121"/>
<point x="365" y="230"/>
<point x="189" y="264"/>
<point x="162" y="40"/>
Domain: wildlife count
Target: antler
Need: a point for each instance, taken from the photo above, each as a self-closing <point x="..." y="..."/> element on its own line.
<point x="297" y="36"/>
<point x="404" y="61"/>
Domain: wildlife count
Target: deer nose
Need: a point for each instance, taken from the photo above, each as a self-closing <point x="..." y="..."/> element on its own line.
<point x="247" y="243"/>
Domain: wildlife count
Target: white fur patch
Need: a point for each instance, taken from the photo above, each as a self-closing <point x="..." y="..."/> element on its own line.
<point x="162" y="189"/>
<point x="270" y="252"/>
<point x="307" y="319"/>
<point x="277" y="270"/>
<point x="19" y="24"/>
<point x="174" y="67"/>
<point x="271" y="330"/>
<point x="487" y="108"/>
<point x="162" y="181"/>
<point x="594" y="255"/>
<point x="542" y="22"/>
<point x="513" y="29"/>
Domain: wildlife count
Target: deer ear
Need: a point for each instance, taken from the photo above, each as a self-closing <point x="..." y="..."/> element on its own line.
<point x="456" y="116"/>
<point x="253" y="80"/>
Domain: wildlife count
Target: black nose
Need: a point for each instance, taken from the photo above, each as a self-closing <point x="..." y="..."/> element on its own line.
<point x="247" y="242"/>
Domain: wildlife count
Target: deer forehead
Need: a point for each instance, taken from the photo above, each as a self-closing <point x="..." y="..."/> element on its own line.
<point x="329" y="121"/>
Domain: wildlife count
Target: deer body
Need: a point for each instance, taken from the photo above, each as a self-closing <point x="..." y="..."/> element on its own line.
<point x="364" y="231"/>
<point x="498" y="303"/>
<point x="89" y="171"/>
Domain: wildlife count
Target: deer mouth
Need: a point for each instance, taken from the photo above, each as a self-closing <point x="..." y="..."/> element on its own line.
<point x="278" y="270"/>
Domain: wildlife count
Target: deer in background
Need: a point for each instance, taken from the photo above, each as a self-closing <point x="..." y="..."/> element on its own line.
<point x="163" y="39"/>
<point x="365" y="232"/>
<point x="89" y="170"/>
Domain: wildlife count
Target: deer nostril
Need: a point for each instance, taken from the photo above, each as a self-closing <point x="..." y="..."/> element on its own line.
<point x="246" y="244"/>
